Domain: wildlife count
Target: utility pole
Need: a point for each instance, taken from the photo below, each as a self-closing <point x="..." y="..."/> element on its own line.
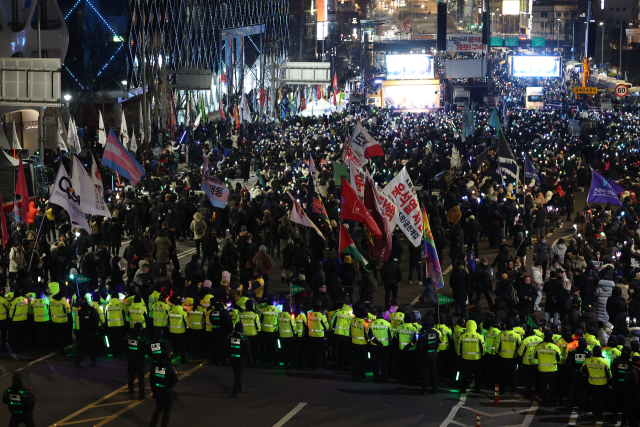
<point x="621" y="24"/>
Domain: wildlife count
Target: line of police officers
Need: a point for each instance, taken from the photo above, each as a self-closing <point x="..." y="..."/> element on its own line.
<point x="553" y="364"/>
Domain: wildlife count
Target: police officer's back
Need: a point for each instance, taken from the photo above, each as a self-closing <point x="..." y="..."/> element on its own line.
<point x="136" y="348"/>
<point x="89" y="323"/>
<point x="163" y="377"/>
<point x="158" y="344"/>
<point x="238" y="355"/>
<point x="619" y="370"/>
<point x="20" y="402"/>
<point x="221" y="326"/>
<point x="427" y="353"/>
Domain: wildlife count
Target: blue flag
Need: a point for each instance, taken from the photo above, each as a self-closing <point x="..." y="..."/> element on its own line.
<point x="531" y="172"/>
<point x="494" y="121"/>
<point x="604" y="190"/>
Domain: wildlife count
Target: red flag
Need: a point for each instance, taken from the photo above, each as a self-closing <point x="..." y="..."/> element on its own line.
<point x="223" y="78"/>
<point x="235" y="116"/>
<point x="303" y="103"/>
<point x="351" y="207"/>
<point x="382" y="246"/>
<point x="335" y="88"/>
<point x="221" y="109"/>
<point x="21" y="190"/>
<point x="3" y="224"/>
<point x="262" y="96"/>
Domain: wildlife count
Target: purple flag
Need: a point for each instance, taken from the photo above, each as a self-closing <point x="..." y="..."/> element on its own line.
<point x="604" y="190"/>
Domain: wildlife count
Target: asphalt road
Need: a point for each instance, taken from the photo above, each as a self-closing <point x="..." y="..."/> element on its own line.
<point x="97" y="396"/>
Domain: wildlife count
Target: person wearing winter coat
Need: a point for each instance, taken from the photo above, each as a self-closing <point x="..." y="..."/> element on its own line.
<point x="603" y="292"/>
<point x="604" y="333"/>
<point x="527" y="295"/>
<point x="472" y="234"/>
<point x="537" y="282"/>
<point x="482" y="281"/>
<point x="559" y="249"/>
<point x="542" y="253"/>
<point x="115" y="237"/>
<point x="502" y="259"/>
<point x="620" y="321"/>
<point x="613" y="301"/>
<point x="454" y="216"/>
<point x="17" y="260"/>
<point x="391" y="275"/>
<point x="460" y="286"/>
<point x="163" y="246"/>
<point x="348" y="278"/>
<point x="552" y="289"/>
<point x="456" y="240"/>
<point x="503" y="290"/>
<point x="199" y="228"/>
<point x="634" y="305"/>
<point x="573" y="262"/>
<point x="439" y="237"/>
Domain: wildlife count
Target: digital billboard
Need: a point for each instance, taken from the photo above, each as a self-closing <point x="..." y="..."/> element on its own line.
<point x="535" y="66"/>
<point x="411" y="96"/>
<point x="510" y="7"/>
<point x="412" y="67"/>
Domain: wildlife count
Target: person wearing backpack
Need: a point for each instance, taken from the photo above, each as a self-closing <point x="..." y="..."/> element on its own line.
<point x="391" y="276"/>
<point x="199" y="228"/>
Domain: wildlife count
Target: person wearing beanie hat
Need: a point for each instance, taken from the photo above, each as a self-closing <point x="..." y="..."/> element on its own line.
<point x="380" y="334"/>
<point x="240" y="355"/>
<point x="508" y="343"/>
<point x="251" y="326"/>
<point x="596" y="369"/>
<point x="574" y="362"/>
<point x="620" y="366"/>
<point x="318" y="327"/>
<point x="20" y="402"/>
<point x="610" y="351"/>
<point x="548" y="355"/>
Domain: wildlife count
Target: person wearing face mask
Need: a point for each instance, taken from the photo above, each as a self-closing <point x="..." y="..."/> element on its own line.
<point x="596" y="370"/>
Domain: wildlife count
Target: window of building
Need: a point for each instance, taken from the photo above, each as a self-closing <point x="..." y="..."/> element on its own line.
<point x="544" y="14"/>
<point x="558" y="14"/>
<point x="566" y="14"/>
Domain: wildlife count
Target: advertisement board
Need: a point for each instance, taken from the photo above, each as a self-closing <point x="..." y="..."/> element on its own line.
<point x="535" y="66"/>
<point x="464" y="43"/>
<point x="413" y="67"/>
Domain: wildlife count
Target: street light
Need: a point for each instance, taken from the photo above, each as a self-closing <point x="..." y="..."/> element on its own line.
<point x="602" y="47"/>
<point x="67" y="97"/>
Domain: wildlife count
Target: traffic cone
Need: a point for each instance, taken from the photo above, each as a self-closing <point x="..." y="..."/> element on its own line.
<point x="477" y="420"/>
<point x="496" y="397"/>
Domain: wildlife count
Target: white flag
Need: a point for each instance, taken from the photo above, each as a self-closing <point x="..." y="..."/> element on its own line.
<point x="215" y="189"/>
<point x="124" y="132"/>
<point x="64" y="196"/>
<point x="95" y="174"/>
<point x="245" y="112"/>
<point x="357" y="177"/>
<point x="313" y="171"/>
<point x="196" y="123"/>
<point x="72" y="137"/>
<point x="148" y="133"/>
<point x="299" y="216"/>
<point x="140" y="122"/>
<point x="16" y="143"/>
<point x="102" y="134"/>
<point x="91" y="201"/>
<point x="388" y="207"/>
<point x="60" y="138"/>
<point x="401" y="190"/>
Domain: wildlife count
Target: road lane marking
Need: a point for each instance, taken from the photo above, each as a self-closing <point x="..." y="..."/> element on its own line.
<point x="530" y="415"/>
<point x="454" y="411"/>
<point x="290" y="414"/>
<point x="34" y="362"/>
<point x="98" y="403"/>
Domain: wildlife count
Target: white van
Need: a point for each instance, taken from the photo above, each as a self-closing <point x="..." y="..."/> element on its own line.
<point x="535" y="98"/>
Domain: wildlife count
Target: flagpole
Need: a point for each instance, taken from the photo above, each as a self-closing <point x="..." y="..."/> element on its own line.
<point x="37" y="237"/>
